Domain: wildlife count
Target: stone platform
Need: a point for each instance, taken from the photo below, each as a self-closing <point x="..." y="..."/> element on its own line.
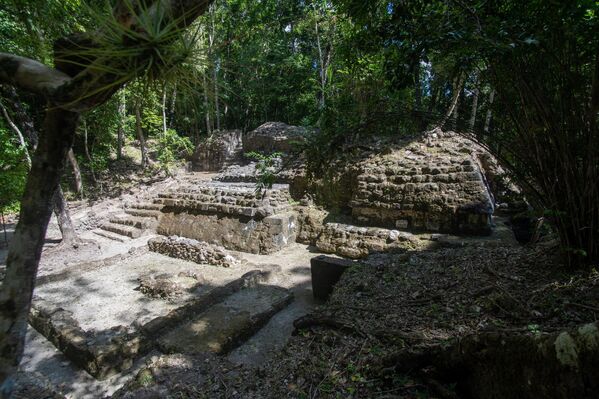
<point x="233" y="215"/>
<point x="104" y="318"/>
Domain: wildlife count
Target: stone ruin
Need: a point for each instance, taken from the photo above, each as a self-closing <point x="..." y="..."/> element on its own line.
<point x="220" y="150"/>
<point x="232" y="215"/>
<point x="274" y="137"/>
<point x="438" y="185"/>
<point x="432" y="184"/>
<point x="374" y="198"/>
<point x="193" y="250"/>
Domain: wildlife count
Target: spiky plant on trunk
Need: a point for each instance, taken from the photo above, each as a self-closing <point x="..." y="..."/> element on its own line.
<point x="135" y="38"/>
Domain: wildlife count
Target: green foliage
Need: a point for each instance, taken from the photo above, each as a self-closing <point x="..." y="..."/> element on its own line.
<point x="172" y="147"/>
<point x="13" y="171"/>
<point x="265" y="167"/>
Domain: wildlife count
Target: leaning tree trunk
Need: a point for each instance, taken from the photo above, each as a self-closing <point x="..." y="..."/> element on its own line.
<point x="76" y="173"/>
<point x="25" y="248"/>
<point x="65" y="223"/>
<point x="487" y="127"/>
<point x="68" y="94"/>
<point x="454" y="103"/>
<point x="18" y="133"/>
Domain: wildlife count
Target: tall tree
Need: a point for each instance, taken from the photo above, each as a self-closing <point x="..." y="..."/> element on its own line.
<point x="78" y="83"/>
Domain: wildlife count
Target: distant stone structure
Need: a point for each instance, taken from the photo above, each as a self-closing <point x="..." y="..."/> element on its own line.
<point x="273" y="137"/>
<point x="217" y="151"/>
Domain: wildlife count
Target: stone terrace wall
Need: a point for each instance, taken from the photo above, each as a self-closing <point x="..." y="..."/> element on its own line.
<point x="231" y="215"/>
<point x="434" y="183"/>
<point x="433" y="186"/>
<point x="213" y="153"/>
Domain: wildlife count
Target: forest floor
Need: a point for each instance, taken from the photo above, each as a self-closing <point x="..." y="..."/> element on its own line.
<point x="381" y="306"/>
<point x="390" y="302"/>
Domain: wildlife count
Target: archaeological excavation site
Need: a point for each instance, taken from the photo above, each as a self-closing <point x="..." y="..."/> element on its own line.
<point x="291" y="199"/>
<point x="210" y="263"/>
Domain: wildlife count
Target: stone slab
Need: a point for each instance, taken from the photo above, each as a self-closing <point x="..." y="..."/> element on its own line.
<point x="326" y="272"/>
<point x="225" y="325"/>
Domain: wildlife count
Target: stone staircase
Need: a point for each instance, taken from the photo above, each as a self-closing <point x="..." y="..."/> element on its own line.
<point x="137" y="220"/>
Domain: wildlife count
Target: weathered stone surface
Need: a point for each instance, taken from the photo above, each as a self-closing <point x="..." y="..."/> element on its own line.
<point x="240" y="233"/>
<point x="223" y="326"/>
<point x="193" y="250"/>
<point x="433" y="183"/>
<point x="33" y="385"/>
<point x="101" y="354"/>
<point x="286" y="170"/>
<point x="358" y="242"/>
<point x="234" y="216"/>
<point x="213" y="153"/>
<point x="273" y="137"/>
<point x="104" y="352"/>
<point x="229" y="199"/>
<point x="167" y="285"/>
<point x="347" y="240"/>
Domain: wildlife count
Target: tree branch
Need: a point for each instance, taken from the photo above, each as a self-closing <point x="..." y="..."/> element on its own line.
<point x="31" y="75"/>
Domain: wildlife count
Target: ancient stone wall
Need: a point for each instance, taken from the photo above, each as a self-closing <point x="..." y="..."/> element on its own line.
<point x="273" y="137"/>
<point x="433" y="183"/>
<point x="234" y="216"/>
<point x="213" y="153"/>
<point x="192" y="250"/>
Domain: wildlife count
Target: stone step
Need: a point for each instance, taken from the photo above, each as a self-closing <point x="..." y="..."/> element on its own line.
<point x="143" y="223"/>
<point x="357" y="242"/>
<point x="143" y="212"/>
<point x="144" y="205"/>
<point x="123" y="230"/>
<point x="111" y="236"/>
<point x="229" y="323"/>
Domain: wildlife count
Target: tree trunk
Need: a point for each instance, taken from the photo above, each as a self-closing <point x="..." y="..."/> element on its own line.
<point x="87" y="153"/>
<point x="487" y="127"/>
<point x="65" y="223"/>
<point x="206" y="105"/>
<point x="417" y="87"/>
<point x="321" y="103"/>
<point x="120" y="131"/>
<point x="456" y="107"/>
<point x="76" y="172"/>
<point x="140" y="135"/>
<point x="21" y="117"/>
<point x="454" y="102"/>
<point x="18" y="133"/>
<point x="214" y="71"/>
<point x="475" y="95"/>
<point x="25" y="248"/>
<point x="171" y="116"/>
<point x="216" y="104"/>
<point x="164" y="110"/>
